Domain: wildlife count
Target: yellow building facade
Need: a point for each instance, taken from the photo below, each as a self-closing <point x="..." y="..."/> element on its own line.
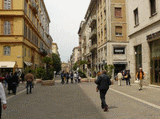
<point x="24" y="32"/>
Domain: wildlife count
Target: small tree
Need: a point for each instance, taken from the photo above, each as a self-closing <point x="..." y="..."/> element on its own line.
<point x="109" y="69"/>
<point x="75" y="66"/>
<point x="56" y="62"/>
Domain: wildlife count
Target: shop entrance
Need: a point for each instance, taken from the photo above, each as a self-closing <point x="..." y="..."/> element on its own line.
<point x="118" y="67"/>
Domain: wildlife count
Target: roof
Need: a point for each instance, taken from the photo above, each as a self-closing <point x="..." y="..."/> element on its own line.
<point x="4" y="64"/>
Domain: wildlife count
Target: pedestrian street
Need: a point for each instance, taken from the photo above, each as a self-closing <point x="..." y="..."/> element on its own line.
<point x="81" y="101"/>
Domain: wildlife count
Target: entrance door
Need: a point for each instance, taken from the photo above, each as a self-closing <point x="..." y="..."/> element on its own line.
<point x="155" y="71"/>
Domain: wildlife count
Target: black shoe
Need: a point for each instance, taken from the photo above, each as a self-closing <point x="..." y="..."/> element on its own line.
<point x="106" y="109"/>
<point x="27" y="92"/>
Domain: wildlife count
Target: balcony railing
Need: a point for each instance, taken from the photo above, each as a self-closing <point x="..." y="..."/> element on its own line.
<point x="34" y="7"/>
<point x="93" y="47"/>
<point x="93" y="33"/>
<point x="93" y="20"/>
<point x="43" y="51"/>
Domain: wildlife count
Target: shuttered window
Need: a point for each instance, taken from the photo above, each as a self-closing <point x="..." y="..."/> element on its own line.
<point x="7" y="28"/>
<point x="118" y="12"/>
<point x="136" y="18"/>
<point x="153" y="7"/>
<point x="118" y="30"/>
<point x="7" y="50"/>
<point x="7" y="4"/>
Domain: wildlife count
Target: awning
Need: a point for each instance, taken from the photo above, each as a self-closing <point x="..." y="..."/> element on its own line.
<point x="119" y="62"/>
<point x="28" y="63"/>
<point x="7" y="64"/>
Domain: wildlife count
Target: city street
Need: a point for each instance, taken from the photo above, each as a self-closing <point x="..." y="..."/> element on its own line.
<point x="81" y="101"/>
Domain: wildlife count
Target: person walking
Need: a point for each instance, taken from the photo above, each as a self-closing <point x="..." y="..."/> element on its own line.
<point x="75" y="77"/>
<point x="71" y="76"/>
<point x="3" y="102"/>
<point x="10" y="83"/>
<point x="62" y="77"/>
<point x="128" y="76"/>
<point x="140" y="75"/>
<point x="119" y="76"/>
<point x="67" y="77"/>
<point x="22" y="77"/>
<point x="15" y="82"/>
<point x="103" y="82"/>
<point x="29" y="78"/>
<point x="6" y="79"/>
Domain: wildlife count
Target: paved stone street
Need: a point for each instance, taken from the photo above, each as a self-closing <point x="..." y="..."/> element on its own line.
<point x="81" y="101"/>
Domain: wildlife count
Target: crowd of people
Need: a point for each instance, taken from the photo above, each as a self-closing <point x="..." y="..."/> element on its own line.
<point x="73" y="76"/>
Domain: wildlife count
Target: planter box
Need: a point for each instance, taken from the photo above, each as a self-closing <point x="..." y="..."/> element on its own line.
<point x="48" y="82"/>
<point x="38" y="80"/>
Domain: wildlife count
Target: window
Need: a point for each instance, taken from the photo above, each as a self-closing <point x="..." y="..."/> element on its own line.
<point x="119" y="50"/>
<point x="7" y="4"/>
<point x="136" y="19"/>
<point x="25" y="52"/>
<point x="29" y="52"/>
<point x="153" y="7"/>
<point x="25" y="30"/>
<point x="25" y="6"/>
<point x="7" y="28"/>
<point x="118" y="12"/>
<point x="118" y="30"/>
<point x="7" y="50"/>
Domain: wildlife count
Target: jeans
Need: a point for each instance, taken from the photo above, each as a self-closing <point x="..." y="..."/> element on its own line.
<point x="71" y="80"/>
<point x="29" y="84"/>
<point x="14" y="86"/>
<point x="140" y="84"/>
<point x="102" y="96"/>
<point x="62" y="81"/>
<point x="128" y="82"/>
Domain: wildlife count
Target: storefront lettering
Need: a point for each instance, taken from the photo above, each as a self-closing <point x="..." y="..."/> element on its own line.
<point x="153" y="36"/>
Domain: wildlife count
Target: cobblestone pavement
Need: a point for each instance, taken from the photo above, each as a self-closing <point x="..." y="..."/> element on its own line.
<point x="81" y="101"/>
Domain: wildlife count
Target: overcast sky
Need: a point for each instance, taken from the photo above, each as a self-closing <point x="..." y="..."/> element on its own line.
<point x="65" y="16"/>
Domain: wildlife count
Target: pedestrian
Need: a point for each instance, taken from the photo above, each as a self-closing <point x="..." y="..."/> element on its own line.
<point x="78" y="77"/>
<point x="140" y="75"/>
<point x="98" y="73"/>
<point x="22" y="77"/>
<point x="103" y="82"/>
<point x="75" y="77"/>
<point x="71" y="76"/>
<point x="29" y="78"/>
<point x="15" y="82"/>
<point x="6" y="79"/>
<point x="127" y="77"/>
<point x="10" y="83"/>
<point x="67" y="77"/>
<point x="3" y="102"/>
<point x="62" y="77"/>
<point x="119" y="76"/>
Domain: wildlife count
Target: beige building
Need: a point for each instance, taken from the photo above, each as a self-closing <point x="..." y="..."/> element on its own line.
<point x="111" y="34"/>
<point x="75" y="55"/>
<point x="55" y="48"/>
<point x="65" y="67"/>
<point x="144" y="38"/>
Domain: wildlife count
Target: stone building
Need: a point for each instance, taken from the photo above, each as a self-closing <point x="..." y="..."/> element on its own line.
<point x="24" y="33"/>
<point x="55" y="49"/>
<point x="144" y="37"/>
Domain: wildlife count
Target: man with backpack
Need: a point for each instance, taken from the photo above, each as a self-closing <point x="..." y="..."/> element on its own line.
<point x="140" y="75"/>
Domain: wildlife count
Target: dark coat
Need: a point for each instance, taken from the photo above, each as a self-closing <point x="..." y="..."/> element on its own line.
<point x="15" y="79"/>
<point x="10" y="83"/>
<point x="103" y="82"/>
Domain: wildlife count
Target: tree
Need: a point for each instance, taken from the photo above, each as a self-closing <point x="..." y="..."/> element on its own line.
<point x="75" y="66"/>
<point x="56" y="62"/>
<point x="109" y="68"/>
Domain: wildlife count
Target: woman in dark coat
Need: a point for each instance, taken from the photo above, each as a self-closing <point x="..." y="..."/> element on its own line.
<point x="10" y="83"/>
<point x="15" y="82"/>
<point x="127" y="77"/>
<point x="71" y="77"/>
<point x="67" y="77"/>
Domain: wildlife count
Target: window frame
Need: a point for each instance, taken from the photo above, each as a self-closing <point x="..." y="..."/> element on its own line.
<point x="115" y="12"/>
<point x="151" y="9"/>
<point x="118" y="34"/>
<point x="7" y="52"/>
<point x="6" y="6"/>
<point x="7" y="27"/>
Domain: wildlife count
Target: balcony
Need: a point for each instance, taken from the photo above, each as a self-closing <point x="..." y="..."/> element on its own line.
<point x="93" y="20"/>
<point x="34" y="7"/>
<point x="43" y="52"/>
<point x="93" y="47"/>
<point x="93" y="34"/>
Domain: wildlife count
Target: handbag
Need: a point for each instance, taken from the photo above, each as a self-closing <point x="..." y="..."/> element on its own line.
<point x="126" y="76"/>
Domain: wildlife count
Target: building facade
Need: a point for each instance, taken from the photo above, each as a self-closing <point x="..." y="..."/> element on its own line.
<point x="55" y="48"/>
<point x="24" y="32"/>
<point x="144" y="38"/>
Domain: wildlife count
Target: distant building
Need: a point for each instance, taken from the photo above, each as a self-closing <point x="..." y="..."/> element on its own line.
<point x="55" y="48"/>
<point x="65" y="67"/>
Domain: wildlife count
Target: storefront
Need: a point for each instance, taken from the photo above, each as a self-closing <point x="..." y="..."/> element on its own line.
<point x="154" y="42"/>
<point x="7" y="67"/>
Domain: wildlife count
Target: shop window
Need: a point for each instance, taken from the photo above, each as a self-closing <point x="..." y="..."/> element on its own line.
<point x="118" y="30"/>
<point x="119" y="50"/>
<point x="153" y="7"/>
<point x="7" y="28"/>
<point x="7" y="50"/>
<point x="118" y="12"/>
<point x="7" y="4"/>
<point x="136" y="19"/>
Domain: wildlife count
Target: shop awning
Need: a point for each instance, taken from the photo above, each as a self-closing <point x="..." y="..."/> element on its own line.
<point x="7" y="64"/>
<point x="28" y="63"/>
<point x="119" y="62"/>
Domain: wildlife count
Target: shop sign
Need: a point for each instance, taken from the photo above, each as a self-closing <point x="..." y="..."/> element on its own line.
<point x="153" y="36"/>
